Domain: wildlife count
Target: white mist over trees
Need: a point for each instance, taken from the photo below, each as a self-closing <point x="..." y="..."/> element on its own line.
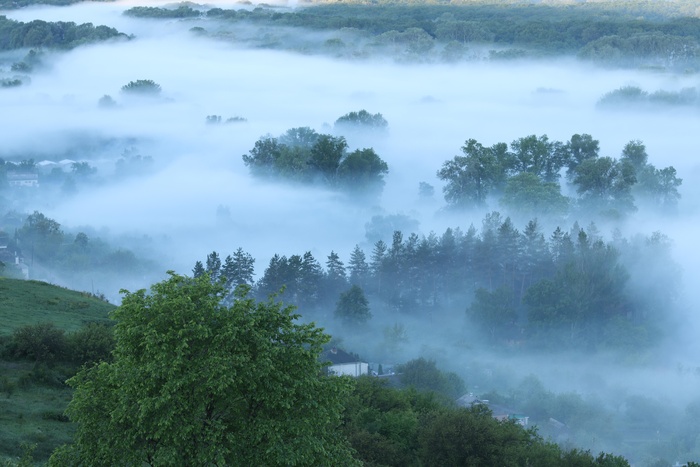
<point x="506" y="196"/>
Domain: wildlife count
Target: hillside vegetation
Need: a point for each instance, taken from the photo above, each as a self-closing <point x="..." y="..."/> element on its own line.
<point x="24" y="303"/>
<point x="46" y="334"/>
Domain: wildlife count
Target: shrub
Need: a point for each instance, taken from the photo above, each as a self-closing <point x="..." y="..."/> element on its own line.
<point x="42" y="342"/>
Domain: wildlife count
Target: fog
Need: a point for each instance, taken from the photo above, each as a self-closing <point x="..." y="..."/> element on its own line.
<point x="431" y="109"/>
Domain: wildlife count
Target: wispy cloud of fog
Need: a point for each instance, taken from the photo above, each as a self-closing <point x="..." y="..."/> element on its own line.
<point x="431" y="109"/>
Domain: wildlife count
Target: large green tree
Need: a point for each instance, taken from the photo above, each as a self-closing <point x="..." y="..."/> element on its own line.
<point x="194" y="382"/>
<point x="471" y="177"/>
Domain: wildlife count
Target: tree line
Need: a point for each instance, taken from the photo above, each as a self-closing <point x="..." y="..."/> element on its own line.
<point x="59" y="34"/>
<point x="630" y="35"/>
<point x="567" y="289"/>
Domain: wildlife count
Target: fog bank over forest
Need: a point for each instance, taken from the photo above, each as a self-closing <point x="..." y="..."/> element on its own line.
<point x="198" y="196"/>
<point x="431" y="109"/>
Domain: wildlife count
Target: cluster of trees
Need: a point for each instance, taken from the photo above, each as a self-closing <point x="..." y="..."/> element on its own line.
<point x="259" y="397"/>
<point x="526" y="177"/>
<point x="41" y="241"/>
<point x="303" y="279"/>
<point x="635" y="96"/>
<point x="361" y="121"/>
<point x="303" y="155"/>
<point x="390" y="427"/>
<point x="60" y="34"/>
<point x="571" y="289"/>
<point x="142" y="87"/>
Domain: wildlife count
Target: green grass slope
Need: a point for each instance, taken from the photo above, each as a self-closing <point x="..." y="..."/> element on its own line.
<point x="33" y="396"/>
<point x="31" y="302"/>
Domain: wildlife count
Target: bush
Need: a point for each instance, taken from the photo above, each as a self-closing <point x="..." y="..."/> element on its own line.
<point x="42" y="342"/>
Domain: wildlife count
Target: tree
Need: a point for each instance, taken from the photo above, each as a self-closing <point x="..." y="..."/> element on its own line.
<point x="362" y="170"/>
<point x="493" y="311"/>
<point x="538" y="156"/>
<point x="578" y="149"/>
<point x="40" y="237"/>
<point x="213" y="266"/>
<point x="194" y="382"/>
<point x="142" y="87"/>
<point x="424" y="375"/>
<point x="359" y="269"/>
<point x="527" y="195"/>
<point x="353" y="306"/>
<point x="656" y="186"/>
<point x="325" y="156"/>
<point x="238" y="269"/>
<point x="336" y="279"/>
<point x="262" y="159"/>
<point x="605" y="184"/>
<point x="198" y="269"/>
<point x="361" y="120"/>
<point x="470" y="177"/>
<point x="302" y="137"/>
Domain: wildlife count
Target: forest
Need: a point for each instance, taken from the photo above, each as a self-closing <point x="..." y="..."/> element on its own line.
<point x="489" y="206"/>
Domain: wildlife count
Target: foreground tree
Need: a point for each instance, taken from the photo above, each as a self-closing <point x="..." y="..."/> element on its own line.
<point x="194" y="382"/>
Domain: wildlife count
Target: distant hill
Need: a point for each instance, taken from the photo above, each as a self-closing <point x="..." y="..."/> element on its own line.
<point x="24" y="302"/>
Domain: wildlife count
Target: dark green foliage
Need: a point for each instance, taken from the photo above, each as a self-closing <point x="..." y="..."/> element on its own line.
<point x="42" y="241"/>
<point x="495" y="312"/>
<point x="361" y="120"/>
<point x="528" y="195"/>
<point x="362" y="170"/>
<point x="90" y="344"/>
<point x="182" y="11"/>
<point x="471" y="437"/>
<point x="238" y="269"/>
<point x="63" y="35"/>
<point x="42" y="342"/>
<point x="390" y="427"/>
<point x="353" y="307"/>
<point x="302" y="155"/>
<point x="605" y="184"/>
<point x="471" y="178"/>
<point x="584" y="297"/>
<point x="40" y="235"/>
<point x="424" y="375"/>
<point x="634" y="34"/>
<point x="194" y="382"/>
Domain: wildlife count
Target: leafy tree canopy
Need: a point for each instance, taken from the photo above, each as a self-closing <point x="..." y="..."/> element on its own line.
<point x="194" y="382"/>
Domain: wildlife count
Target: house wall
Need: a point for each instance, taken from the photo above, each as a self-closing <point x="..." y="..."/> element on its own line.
<point x="350" y="369"/>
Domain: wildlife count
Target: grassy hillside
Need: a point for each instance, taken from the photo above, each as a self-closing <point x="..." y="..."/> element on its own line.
<point x="31" y="302"/>
<point x="33" y="395"/>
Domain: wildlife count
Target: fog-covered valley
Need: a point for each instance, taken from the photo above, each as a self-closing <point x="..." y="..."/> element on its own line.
<point x="196" y="195"/>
